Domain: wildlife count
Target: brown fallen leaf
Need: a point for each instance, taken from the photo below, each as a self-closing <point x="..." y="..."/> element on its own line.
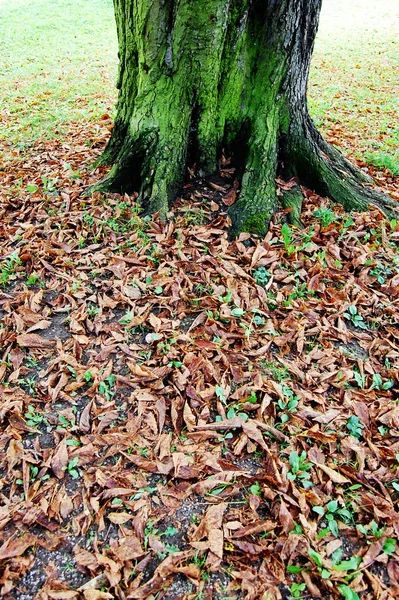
<point x="42" y="324"/>
<point x="119" y="518"/>
<point x="93" y="594"/>
<point x="60" y="460"/>
<point x="62" y="594"/>
<point x="333" y="475"/>
<point x="16" y="546"/>
<point x="230" y="198"/>
<point x="32" y="340"/>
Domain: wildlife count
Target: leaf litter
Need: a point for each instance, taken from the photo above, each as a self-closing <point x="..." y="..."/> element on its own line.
<point x="186" y="416"/>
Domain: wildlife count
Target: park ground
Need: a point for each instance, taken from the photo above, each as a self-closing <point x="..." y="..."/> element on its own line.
<point x="183" y="416"/>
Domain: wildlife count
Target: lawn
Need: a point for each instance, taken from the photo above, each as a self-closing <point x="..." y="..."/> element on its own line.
<point x="183" y="416"/>
<point x="355" y="78"/>
<point x="59" y="63"/>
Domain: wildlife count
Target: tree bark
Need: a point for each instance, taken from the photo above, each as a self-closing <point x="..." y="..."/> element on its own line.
<point x="198" y="76"/>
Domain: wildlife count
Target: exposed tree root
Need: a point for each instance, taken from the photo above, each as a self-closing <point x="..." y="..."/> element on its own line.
<point x="293" y="199"/>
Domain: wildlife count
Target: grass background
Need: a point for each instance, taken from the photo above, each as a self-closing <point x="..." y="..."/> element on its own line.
<point x="60" y="59"/>
<point x="59" y="65"/>
<point x="353" y="94"/>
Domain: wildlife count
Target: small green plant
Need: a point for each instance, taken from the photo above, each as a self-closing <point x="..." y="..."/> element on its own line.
<point x="168" y="549"/>
<point x="227" y="298"/>
<point x="235" y="410"/>
<point x="30" y="384"/>
<point x="237" y="312"/>
<point x="277" y="372"/>
<point x="347" y="592"/>
<point x="71" y="468"/>
<point x="92" y="310"/>
<point x="219" y="489"/>
<point x="371" y="530"/>
<point x="297" y="530"/>
<point x="49" y="185"/>
<point x="32" y="280"/>
<point x="198" y="559"/>
<point x="141" y="491"/>
<point x="149" y="530"/>
<point x="360" y="379"/>
<point x="289" y="243"/>
<point x="164" y="347"/>
<point x="106" y="387"/>
<point x="255" y="489"/>
<point x="88" y="220"/>
<point x="389" y="546"/>
<point x="127" y="318"/>
<point x="8" y="268"/>
<point x="33" y="471"/>
<point x="355" y="427"/>
<point x="346" y="225"/>
<point x="300" y="290"/>
<point x="252" y="398"/>
<point x="378" y="384"/>
<point x="300" y="469"/>
<point x="258" y="319"/>
<point x="88" y="376"/>
<point x="326" y="215"/>
<point x="330" y="513"/>
<point x="354" y="317"/>
<point x="381" y="273"/>
<point x="33" y="419"/>
<point x="261" y="276"/>
<point x="32" y="362"/>
<point x="296" y="589"/>
<point x="73" y="442"/>
<point x="170" y="531"/>
<point x="64" y="423"/>
<point x="286" y="233"/>
<point x="318" y="560"/>
<point x="220" y="393"/>
<point x="288" y="404"/>
<point x="177" y="364"/>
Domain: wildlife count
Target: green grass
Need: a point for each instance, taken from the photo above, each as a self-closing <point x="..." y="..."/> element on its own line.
<point x="382" y="160"/>
<point x="59" y="61"/>
<point x="355" y="77"/>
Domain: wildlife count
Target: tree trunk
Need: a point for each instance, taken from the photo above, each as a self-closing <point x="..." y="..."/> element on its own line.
<point x="196" y="76"/>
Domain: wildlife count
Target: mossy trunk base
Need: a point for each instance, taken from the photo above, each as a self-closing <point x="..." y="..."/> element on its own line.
<point x="199" y="77"/>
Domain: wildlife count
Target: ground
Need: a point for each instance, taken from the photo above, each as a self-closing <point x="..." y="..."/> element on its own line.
<point x="184" y="416"/>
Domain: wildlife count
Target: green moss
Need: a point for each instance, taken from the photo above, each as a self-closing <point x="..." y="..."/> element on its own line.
<point x="257" y="224"/>
<point x="214" y="74"/>
<point x="285" y="119"/>
<point x="293" y="199"/>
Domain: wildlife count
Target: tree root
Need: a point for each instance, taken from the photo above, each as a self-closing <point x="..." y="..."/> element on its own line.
<point x="293" y="199"/>
<point x="321" y="167"/>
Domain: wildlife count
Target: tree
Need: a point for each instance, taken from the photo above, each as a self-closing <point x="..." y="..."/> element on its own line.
<point x="196" y="76"/>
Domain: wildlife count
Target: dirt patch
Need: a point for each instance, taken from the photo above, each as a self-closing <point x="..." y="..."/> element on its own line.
<point x="61" y="563"/>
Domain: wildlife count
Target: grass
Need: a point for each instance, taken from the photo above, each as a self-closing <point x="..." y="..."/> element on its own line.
<point x="59" y="60"/>
<point x="60" y="67"/>
<point x="354" y="75"/>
